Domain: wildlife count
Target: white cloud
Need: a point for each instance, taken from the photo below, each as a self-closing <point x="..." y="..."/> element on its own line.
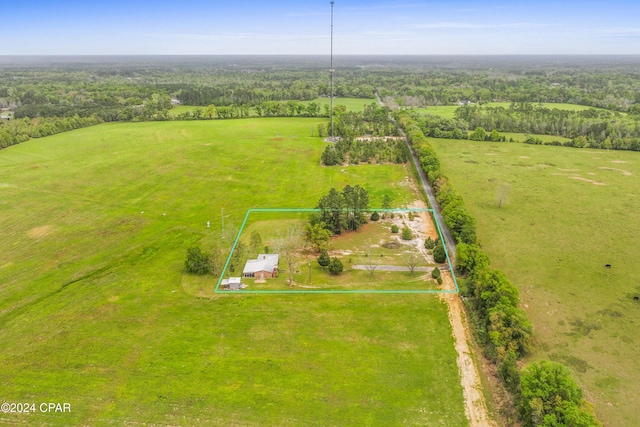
<point x="466" y="25"/>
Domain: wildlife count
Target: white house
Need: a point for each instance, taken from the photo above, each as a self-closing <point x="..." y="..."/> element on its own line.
<point x="265" y="266"/>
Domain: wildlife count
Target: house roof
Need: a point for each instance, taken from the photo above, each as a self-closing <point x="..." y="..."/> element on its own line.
<point x="264" y="262"/>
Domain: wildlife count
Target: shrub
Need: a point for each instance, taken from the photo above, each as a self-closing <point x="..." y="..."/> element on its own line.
<point x="335" y="266"/>
<point x="324" y="259"/>
<point x="197" y="262"/>
<point x="375" y="216"/>
<point x="406" y="233"/>
<point x="439" y="254"/>
<point x="429" y="243"/>
<point x="436" y="273"/>
<point x="394" y="228"/>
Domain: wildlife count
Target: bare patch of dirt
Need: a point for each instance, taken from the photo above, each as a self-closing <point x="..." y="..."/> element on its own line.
<point x="624" y="172"/>
<point x="525" y="157"/>
<point x="567" y="170"/>
<point x="40" y="232"/>
<point x="474" y="401"/>
<point x="590" y="181"/>
<point x="619" y="161"/>
<point x="475" y="405"/>
<point x="491" y="154"/>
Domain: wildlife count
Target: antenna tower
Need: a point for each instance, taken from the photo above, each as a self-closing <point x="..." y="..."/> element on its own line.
<point x="331" y="75"/>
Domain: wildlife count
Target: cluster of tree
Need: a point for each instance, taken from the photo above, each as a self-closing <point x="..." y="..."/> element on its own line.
<point x="342" y="210"/>
<point x="588" y="128"/>
<point x="201" y="262"/>
<point x="503" y="329"/>
<point x="366" y="150"/>
<point x="370" y="136"/>
<point x="334" y="265"/>
<point x="455" y="215"/>
<point x="265" y="109"/>
<point x="550" y="397"/>
<point x="16" y="131"/>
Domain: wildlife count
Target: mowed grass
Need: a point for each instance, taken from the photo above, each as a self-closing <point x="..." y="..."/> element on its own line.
<point x="568" y="213"/>
<point x="448" y="111"/>
<point x="352" y="104"/>
<point x="95" y="310"/>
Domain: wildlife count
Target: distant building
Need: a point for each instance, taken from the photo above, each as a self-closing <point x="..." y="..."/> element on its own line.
<point x="175" y="101"/>
<point x="265" y="266"/>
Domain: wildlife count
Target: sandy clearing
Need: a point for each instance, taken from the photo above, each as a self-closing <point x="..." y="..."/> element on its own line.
<point x="475" y="406"/>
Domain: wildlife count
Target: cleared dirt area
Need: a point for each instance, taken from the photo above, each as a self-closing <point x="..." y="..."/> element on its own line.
<point x="474" y="401"/>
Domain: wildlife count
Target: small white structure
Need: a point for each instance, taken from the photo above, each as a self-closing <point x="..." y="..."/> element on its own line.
<point x="232" y="283"/>
<point x="265" y="266"/>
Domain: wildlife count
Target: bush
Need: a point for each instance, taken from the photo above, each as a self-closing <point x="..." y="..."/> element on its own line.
<point x="324" y="259"/>
<point x="429" y="243"/>
<point x="439" y="255"/>
<point x="406" y="233"/>
<point x="335" y="266"/>
<point x="375" y="216"/>
<point x="394" y="228"/>
<point x="436" y="273"/>
<point x="197" y="262"/>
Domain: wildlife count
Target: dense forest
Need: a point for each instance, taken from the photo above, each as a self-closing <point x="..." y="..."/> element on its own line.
<point x="79" y="91"/>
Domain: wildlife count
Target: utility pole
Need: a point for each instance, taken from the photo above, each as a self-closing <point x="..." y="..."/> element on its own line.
<point x="331" y="74"/>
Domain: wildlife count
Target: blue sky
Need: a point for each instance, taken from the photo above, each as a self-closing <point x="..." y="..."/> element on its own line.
<point x="198" y="27"/>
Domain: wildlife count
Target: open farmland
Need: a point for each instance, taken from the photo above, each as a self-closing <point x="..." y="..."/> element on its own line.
<point x="449" y="111"/>
<point x="567" y="214"/>
<point x="352" y="104"/>
<point x="95" y="309"/>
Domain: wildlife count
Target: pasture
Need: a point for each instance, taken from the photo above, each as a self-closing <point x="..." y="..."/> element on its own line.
<point x="567" y="214"/>
<point x="448" y="111"/>
<point x="95" y="309"/>
<point x="352" y="104"/>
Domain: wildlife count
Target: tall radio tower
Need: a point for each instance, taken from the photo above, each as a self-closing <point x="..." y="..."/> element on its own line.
<point x="331" y="75"/>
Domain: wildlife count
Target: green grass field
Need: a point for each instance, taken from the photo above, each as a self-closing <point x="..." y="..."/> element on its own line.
<point x="95" y="310"/>
<point x="568" y="213"/>
<point x="352" y="104"/>
<point x="448" y="111"/>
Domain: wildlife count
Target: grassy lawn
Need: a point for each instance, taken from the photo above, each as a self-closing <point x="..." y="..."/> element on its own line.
<point x="352" y="104"/>
<point x="96" y="311"/>
<point x="568" y="213"/>
<point x="521" y="137"/>
<point x="448" y="111"/>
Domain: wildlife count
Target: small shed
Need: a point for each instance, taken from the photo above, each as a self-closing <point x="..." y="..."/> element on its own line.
<point x="232" y="283"/>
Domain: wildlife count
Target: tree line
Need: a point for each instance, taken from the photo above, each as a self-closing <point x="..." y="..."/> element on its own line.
<point x="545" y="393"/>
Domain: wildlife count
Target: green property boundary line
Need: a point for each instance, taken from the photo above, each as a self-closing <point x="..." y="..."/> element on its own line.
<point x="337" y="291"/>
